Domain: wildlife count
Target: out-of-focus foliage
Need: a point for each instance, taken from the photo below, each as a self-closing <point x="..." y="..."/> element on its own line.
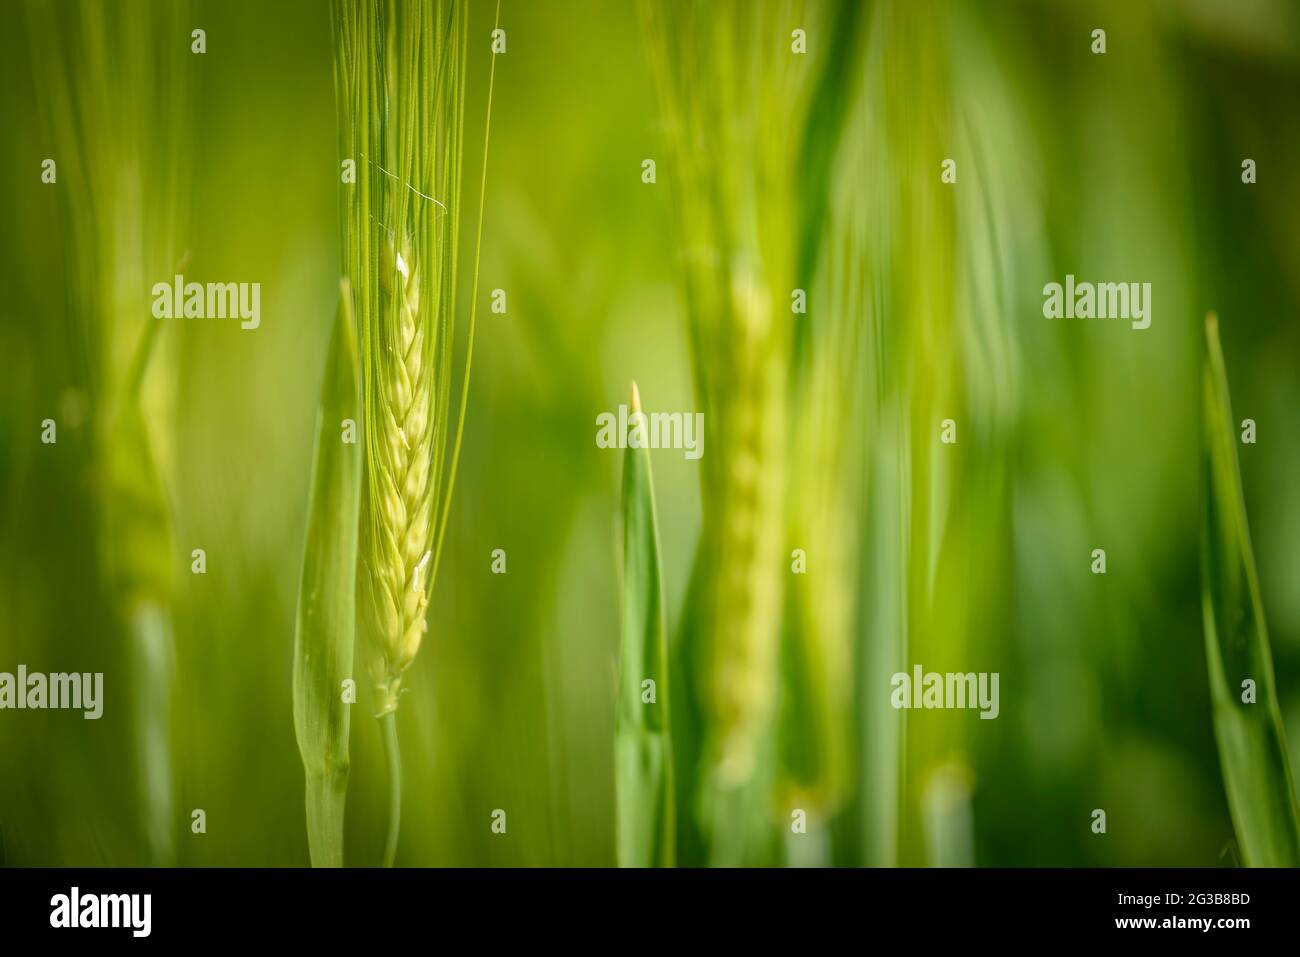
<point x="924" y="303"/>
<point x="1256" y="769"/>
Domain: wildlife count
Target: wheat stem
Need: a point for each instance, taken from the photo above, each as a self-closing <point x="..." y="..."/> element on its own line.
<point x="393" y="759"/>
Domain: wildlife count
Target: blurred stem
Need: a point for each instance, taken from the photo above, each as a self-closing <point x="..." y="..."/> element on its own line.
<point x="393" y="757"/>
<point x="153" y="652"/>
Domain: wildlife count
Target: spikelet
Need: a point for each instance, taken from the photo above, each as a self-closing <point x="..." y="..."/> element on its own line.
<point x="746" y="522"/>
<point x="400" y="79"/>
<point x="723" y="89"/>
<point x="401" y="492"/>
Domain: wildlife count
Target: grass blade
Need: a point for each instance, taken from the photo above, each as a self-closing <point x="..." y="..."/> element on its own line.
<point x="643" y="758"/>
<point x="323" y="641"/>
<point x="1252" y="747"/>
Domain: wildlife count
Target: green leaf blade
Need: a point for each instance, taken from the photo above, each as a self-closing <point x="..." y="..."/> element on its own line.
<point x="1252" y="746"/>
<point x="326" y="623"/>
<point x="643" y="761"/>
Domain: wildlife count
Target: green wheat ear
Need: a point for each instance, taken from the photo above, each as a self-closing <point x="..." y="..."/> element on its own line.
<point x="110" y="84"/>
<point x="643" y="758"/>
<point x="326" y="626"/>
<point x="1252" y="747"/>
<point x="400" y="83"/>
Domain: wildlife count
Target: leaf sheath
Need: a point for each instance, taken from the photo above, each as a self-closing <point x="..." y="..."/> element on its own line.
<point x="323" y="641"/>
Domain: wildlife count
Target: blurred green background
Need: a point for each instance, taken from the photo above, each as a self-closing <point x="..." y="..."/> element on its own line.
<point x="1073" y="435"/>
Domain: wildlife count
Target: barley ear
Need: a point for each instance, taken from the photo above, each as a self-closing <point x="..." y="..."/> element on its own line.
<point x="1252" y="747"/>
<point x="324" y="636"/>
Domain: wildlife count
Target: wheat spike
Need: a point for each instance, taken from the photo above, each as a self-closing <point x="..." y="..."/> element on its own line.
<point x="401" y="78"/>
<point x="402" y="486"/>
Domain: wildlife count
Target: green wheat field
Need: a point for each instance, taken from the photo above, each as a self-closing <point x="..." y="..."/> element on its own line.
<point x="651" y="433"/>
